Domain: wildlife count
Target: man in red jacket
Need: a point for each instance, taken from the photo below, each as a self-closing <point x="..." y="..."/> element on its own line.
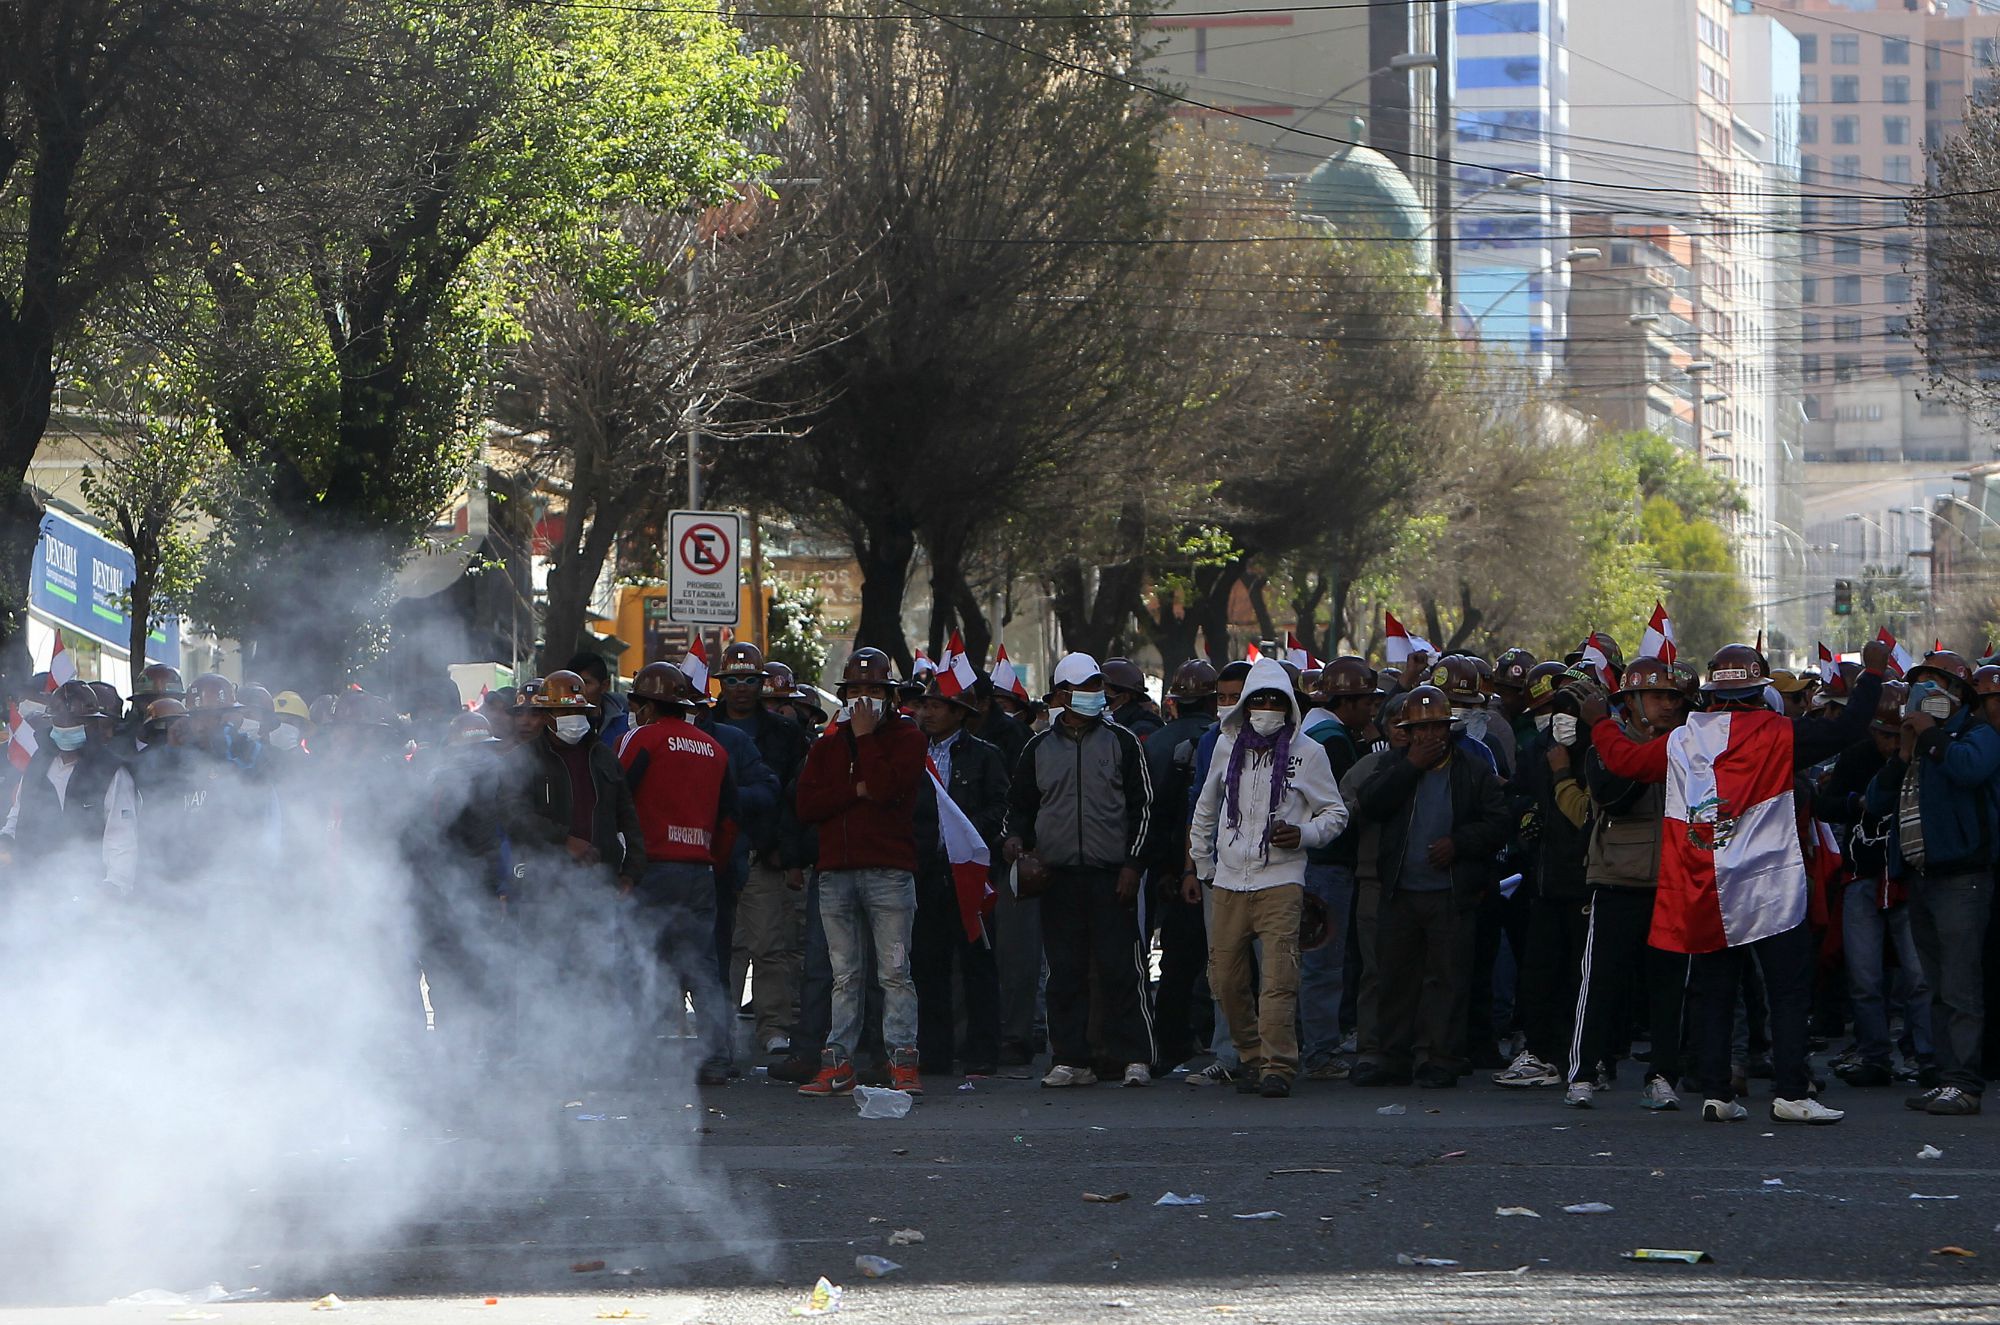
<point x="859" y="788"/>
<point x="685" y="793"/>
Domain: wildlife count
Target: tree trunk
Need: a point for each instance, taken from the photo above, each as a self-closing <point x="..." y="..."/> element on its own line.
<point x="1432" y="630"/>
<point x="1212" y="609"/>
<point x="1170" y="630"/>
<point x="947" y="557"/>
<point x="1265" y="625"/>
<point x="972" y="620"/>
<point x="884" y="552"/>
<point x="1469" y="618"/>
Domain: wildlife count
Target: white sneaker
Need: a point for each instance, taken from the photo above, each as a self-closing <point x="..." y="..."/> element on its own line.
<point x="1138" y="1074"/>
<point x="1723" y="1111"/>
<point x="1526" y="1070"/>
<point x="1579" y="1095"/>
<point x="1804" y="1111"/>
<point x="777" y="1044"/>
<point x="1659" y="1094"/>
<point x="1061" y="1075"/>
<point x="1215" y="1074"/>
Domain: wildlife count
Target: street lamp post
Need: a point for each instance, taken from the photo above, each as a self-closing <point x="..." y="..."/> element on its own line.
<point x="1574" y="255"/>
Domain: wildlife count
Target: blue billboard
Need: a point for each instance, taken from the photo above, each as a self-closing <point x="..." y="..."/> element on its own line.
<point x="79" y="578"/>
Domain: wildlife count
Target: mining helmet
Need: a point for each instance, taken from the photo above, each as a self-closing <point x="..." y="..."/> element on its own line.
<point x="661" y="683"/>
<point x="1986" y="681"/>
<point x="1649" y="674"/>
<point x="866" y="667"/>
<point x="560" y="691"/>
<point x="1735" y="668"/>
<point x="1346" y="678"/>
<point x="212" y="692"/>
<point x="1889" y="705"/>
<point x="1123" y="674"/>
<point x="1194" y="680"/>
<point x="1425" y="704"/>
<point x="962" y="697"/>
<point x="1545" y="682"/>
<point x="741" y="659"/>
<point x="1458" y="678"/>
<point x="470" y="729"/>
<point x="75" y="703"/>
<point x="160" y="681"/>
<point x="1510" y="669"/>
<point x="778" y="683"/>
<point x="1947" y="667"/>
<point x="358" y="708"/>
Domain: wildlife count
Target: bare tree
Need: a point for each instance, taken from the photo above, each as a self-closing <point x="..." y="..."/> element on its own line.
<point x="615" y="377"/>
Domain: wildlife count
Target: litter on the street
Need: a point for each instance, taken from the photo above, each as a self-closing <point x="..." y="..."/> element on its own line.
<point x="1953" y="1251"/>
<point x="1521" y="1210"/>
<point x="1930" y="1152"/>
<point x="1103" y="1198"/>
<point x="1919" y="1196"/>
<point x="1587" y="1208"/>
<point x="1432" y="1262"/>
<point x="593" y="1117"/>
<point x="1774" y="1182"/>
<point x="875" y="1267"/>
<point x="824" y="1300"/>
<point x="1192" y="1198"/>
<point x="1262" y="1214"/>
<point x="1454" y="1154"/>
<point x="905" y="1237"/>
<point x="623" y="1313"/>
<point x="586" y="1267"/>
<point x="1392" y="1111"/>
<point x="192" y="1314"/>
<point x="877" y="1102"/>
<point x="1279" y="1173"/>
<point x="331" y="1302"/>
<point x="1657" y="1254"/>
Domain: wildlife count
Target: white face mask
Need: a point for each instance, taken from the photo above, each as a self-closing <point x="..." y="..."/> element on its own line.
<point x="1563" y="727"/>
<point x="284" y="736"/>
<point x="30" y="709"/>
<point x="1266" y="722"/>
<point x="572" y="727"/>
<point x="1542" y="721"/>
<point x="250" y="727"/>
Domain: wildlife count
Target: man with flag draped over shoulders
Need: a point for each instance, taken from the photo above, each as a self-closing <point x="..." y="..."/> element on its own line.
<point x="1732" y="870"/>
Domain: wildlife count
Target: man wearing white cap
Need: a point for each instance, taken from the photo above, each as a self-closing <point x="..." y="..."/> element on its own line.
<point x="1081" y="806"/>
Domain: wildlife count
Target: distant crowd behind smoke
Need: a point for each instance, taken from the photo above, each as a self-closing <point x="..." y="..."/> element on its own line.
<point x="189" y="1059"/>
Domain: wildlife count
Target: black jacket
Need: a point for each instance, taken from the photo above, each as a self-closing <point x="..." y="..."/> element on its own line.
<point x="1560" y="845"/>
<point x="1479" y="818"/>
<point x="1170" y="754"/>
<point x="47" y="827"/>
<point x="978" y="786"/>
<point x="549" y="792"/>
<point x="1006" y="732"/>
<point x="1141" y="717"/>
<point x="783" y="744"/>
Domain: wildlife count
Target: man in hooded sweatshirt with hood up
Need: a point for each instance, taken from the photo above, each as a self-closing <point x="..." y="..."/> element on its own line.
<point x="1269" y="797"/>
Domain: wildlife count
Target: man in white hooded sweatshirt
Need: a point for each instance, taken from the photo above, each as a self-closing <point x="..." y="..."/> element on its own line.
<point x="1270" y="796"/>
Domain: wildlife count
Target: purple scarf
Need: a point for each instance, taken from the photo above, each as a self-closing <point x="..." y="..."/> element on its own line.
<point x="1279" y="743"/>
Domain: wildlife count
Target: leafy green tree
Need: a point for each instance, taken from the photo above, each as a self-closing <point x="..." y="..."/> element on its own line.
<point x="1883" y="595"/>
<point x="356" y="315"/>
<point x="1683" y="507"/>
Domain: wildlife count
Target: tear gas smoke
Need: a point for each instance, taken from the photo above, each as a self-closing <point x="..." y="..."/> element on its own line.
<point x="230" y="1067"/>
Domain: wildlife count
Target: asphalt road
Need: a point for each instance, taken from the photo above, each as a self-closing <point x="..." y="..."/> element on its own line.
<point x="728" y="1208"/>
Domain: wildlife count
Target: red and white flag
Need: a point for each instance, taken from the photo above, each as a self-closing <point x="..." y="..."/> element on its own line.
<point x="958" y="674"/>
<point x="695" y="664"/>
<point x="971" y="861"/>
<point x="21" y="742"/>
<point x="1829" y="667"/>
<point x="1398" y="644"/>
<point x="1253" y="653"/>
<point x="1005" y="677"/>
<point x="1657" y="641"/>
<point x="1899" y="657"/>
<point x="1297" y="654"/>
<point x="1731" y="871"/>
<point x="62" y="667"/>
<point x="1598" y="658"/>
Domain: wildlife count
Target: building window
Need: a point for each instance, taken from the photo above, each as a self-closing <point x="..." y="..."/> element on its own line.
<point x="1808" y="89"/>
<point x="1809" y="48"/>
<point x="1809" y="169"/>
<point x="1809" y="248"/>
<point x="1846" y="251"/>
<point x="1809" y="328"/>
<point x="1931" y="96"/>
<point x="1846" y="49"/>
<point x="1982" y="50"/>
<point x="1845" y="328"/>
<point x="1846" y="129"/>
<point x="1896" y="170"/>
<point x="1895" y="289"/>
<point x="1845" y="366"/>
<point x="1847" y="289"/>
<point x="1897" y="365"/>
<point x="1810" y="368"/>
<point x="1847" y="211"/>
<point x="1846" y="89"/>
<point x="1894" y="212"/>
<point x="1896" y="130"/>
<point x="1809" y="289"/>
<point x="1895" y="50"/>
<point x="1808" y="129"/>
<point x="1847" y="167"/>
<point x="1896" y="326"/>
<point x="1895" y="251"/>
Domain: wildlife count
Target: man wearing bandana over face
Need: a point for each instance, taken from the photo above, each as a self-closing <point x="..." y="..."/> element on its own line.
<point x="1269" y="798"/>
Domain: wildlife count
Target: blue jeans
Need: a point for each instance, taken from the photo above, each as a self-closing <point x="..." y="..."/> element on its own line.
<point x="1323" y="975"/>
<point x="1864" y="925"/>
<point x="885" y="902"/>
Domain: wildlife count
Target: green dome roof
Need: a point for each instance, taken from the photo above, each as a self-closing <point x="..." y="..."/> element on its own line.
<point x="1358" y="188"/>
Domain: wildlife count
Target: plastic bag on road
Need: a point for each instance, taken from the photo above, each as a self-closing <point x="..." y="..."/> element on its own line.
<point x="1192" y="1198"/>
<point x="824" y="1300"/>
<point x="1392" y="1111"/>
<point x="876" y="1267"/>
<point x="1433" y="1262"/>
<point x="875" y="1102"/>
<point x="905" y="1237"/>
<point x="1587" y="1208"/>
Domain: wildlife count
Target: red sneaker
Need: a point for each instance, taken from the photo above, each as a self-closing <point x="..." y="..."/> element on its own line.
<point x="903" y="1074"/>
<point x="836" y="1076"/>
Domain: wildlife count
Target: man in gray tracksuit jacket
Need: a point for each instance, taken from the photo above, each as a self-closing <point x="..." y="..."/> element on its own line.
<point x="1081" y="802"/>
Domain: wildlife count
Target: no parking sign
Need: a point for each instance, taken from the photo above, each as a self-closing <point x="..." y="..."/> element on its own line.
<point x="704" y="567"/>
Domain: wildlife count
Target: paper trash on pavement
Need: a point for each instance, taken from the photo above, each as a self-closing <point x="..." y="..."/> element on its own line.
<point x="1392" y="1111"/>
<point x="875" y="1102"/>
<point x="1262" y="1214"/>
<point x="875" y="1267"/>
<point x="1106" y="1198"/>
<point x="905" y="1237"/>
<point x="1192" y="1198"/>
<point x="1516" y="1210"/>
<point x="1657" y="1254"/>
<point x="1930" y="1152"/>
<point x="331" y="1302"/>
<point x="1434" y="1262"/>
<point x="1587" y="1208"/>
<point x="823" y="1301"/>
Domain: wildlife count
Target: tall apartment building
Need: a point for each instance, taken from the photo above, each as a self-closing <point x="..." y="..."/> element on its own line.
<point x="1510" y="153"/>
<point x="1881" y="81"/>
